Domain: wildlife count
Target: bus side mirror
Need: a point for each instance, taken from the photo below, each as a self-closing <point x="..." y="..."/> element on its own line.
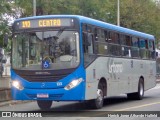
<point x="5" y="39"/>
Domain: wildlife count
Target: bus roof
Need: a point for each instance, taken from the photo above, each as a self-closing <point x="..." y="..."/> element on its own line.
<point x="96" y="23"/>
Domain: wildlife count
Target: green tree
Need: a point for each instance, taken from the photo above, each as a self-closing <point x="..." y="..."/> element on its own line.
<point x="5" y="10"/>
<point x="141" y="15"/>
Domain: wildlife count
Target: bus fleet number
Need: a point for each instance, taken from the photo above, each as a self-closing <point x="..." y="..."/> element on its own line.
<point x="59" y="83"/>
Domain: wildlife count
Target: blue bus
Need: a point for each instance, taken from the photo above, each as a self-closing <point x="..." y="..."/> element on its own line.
<point x="76" y="58"/>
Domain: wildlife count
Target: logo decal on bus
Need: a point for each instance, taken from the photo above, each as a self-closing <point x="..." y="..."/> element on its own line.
<point x="46" y="64"/>
<point x="116" y="68"/>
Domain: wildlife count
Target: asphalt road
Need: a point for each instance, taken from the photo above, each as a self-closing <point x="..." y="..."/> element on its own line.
<point x="114" y="107"/>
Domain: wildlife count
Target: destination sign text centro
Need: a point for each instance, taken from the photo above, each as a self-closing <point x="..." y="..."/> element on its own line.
<point x="49" y="23"/>
<point x="43" y="23"/>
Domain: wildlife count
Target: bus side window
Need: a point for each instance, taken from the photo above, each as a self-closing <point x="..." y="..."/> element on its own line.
<point x="126" y="46"/>
<point x="134" y="48"/>
<point x="114" y="47"/>
<point x="109" y="36"/>
<point x="100" y="44"/>
<point x="151" y="49"/>
<point x="144" y="49"/>
<point x="106" y="35"/>
<point x="97" y="34"/>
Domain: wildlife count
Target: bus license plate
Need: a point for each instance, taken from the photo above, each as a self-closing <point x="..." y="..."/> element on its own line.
<point x="42" y="95"/>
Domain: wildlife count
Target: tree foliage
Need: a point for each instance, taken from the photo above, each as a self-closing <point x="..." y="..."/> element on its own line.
<point x="141" y="15"/>
<point x="5" y="8"/>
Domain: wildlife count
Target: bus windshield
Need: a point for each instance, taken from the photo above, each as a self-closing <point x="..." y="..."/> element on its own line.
<point x="45" y="50"/>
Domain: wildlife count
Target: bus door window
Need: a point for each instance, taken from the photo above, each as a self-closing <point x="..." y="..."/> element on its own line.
<point x="88" y="44"/>
<point x="87" y="40"/>
<point x="90" y="47"/>
<point x="84" y="28"/>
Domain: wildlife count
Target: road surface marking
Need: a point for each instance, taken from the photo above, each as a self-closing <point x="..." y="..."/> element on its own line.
<point x="145" y="105"/>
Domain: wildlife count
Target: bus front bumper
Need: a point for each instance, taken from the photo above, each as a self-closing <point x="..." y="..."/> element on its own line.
<point x="75" y="94"/>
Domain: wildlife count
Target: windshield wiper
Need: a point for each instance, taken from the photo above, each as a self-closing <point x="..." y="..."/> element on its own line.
<point x="56" y="37"/>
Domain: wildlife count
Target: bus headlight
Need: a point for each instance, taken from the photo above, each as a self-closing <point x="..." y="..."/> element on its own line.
<point x="17" y="85"/>
<point x="73" y="84"/>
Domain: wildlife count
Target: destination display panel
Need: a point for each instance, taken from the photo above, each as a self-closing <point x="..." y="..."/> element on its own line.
<point x="43" y="23"/>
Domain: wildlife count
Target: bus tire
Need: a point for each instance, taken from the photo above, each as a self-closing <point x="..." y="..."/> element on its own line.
<point x="44" y="104"/>
<point x="98" y="102"/>
<point x="138" y="95"/>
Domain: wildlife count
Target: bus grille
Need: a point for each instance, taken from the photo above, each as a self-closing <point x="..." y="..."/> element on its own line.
<point x="43" y="76"/>
<point x="40" y="78"/>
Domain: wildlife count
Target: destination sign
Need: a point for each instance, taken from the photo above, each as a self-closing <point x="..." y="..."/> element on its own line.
<point x="42" y="23"/>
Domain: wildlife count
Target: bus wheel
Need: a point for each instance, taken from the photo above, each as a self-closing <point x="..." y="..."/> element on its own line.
<point x="138" y="95"/>
<point x="98" y="102"/>
<point x="44" y="104"/>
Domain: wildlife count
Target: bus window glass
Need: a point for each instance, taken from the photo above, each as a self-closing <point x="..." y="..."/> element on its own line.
<point x="84" y="28"/>
<point x="102" y="34"/>
<point x="111" y="37"/>
<point x="121" y="38"/>
<point x="88" y="48"/>
<point x="144" y="53"/>
<point x="142" y="43"/>
<point x="96" y="34"/>
<point x="123" y="41"/>
<point x="134" y="48"/>
<point x="151" y="49"/>
<point x="146" y="44"/>
<point x="135" y="42"/>
<point x="126" y="46"/>
<point x="150" y="45"/>
<point x="106" y="35"/>
<point x="128" y="40"/>
<point x="114" y="47"/>
<point x="60" y="52"/>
